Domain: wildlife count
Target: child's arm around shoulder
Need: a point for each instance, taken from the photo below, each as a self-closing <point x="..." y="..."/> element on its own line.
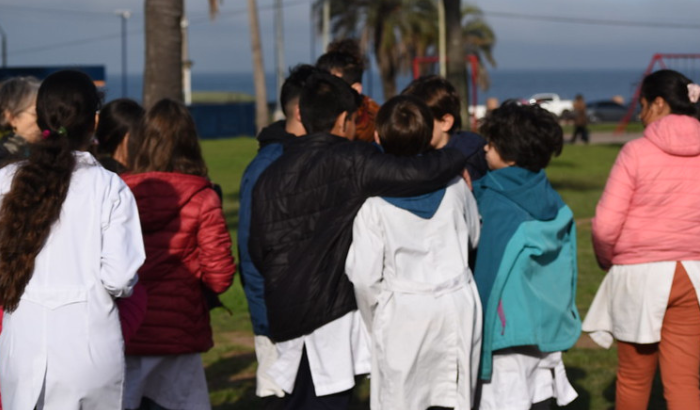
<point x="365" y="261"/>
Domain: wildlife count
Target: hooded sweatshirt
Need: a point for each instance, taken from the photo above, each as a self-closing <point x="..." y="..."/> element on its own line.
<point x="526" y="264"/>
<point x="187" y="247"/>
<point x="649" y="210"/>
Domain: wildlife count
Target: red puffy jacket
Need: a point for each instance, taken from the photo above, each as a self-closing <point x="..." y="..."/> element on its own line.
<point x="187" y="247"/>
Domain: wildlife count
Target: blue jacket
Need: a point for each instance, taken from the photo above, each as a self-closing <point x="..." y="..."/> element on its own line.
<point x="271" y="142"/>
<point x="471" y="145"/>
<point x="526" y="267"/>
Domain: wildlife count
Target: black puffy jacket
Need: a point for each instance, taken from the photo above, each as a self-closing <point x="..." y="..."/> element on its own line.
<point x="302" y="214"/>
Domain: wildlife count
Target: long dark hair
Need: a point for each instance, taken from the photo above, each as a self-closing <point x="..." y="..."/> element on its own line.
<point x="66" y="105"/>
<point x="167" y="142"/>
<point x="117" y="118"/>
<point x="672" y="86"/>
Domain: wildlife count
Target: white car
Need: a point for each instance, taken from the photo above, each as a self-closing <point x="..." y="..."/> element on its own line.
<point x="554" y="104"/>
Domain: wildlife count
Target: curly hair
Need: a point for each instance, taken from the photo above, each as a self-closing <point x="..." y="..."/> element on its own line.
<point x="66" y="105"/>
<point x="528" y="135"/>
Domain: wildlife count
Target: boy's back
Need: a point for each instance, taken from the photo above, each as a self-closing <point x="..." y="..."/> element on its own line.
<point x="409" y="266"/>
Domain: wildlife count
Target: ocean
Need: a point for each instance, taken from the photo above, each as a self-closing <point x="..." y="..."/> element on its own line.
<point x="505" y="84"/>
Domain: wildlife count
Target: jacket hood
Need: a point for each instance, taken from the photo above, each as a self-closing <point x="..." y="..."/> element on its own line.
<point x="531" y="191"/>
<point x="274" y="133"/>
<point x="161" y="195"/>
<point x="675" y="134"/>
<point x="423" y="206"/>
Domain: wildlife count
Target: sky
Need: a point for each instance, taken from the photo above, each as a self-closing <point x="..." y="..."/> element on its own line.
<point x="47" y="32"/>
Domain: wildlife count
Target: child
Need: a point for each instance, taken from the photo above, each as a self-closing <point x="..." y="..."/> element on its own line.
<point x="344" y="59"/>
<point x="409" y="265"/>
<point x="18" y="117"/>
<point x="526" y="264"/>
<point x="61" y="345"/>
<point x="443" y="101"/>
<point x="188" y="249"/>
<point x="119" y="119"/>
<point x="645" y="232"/>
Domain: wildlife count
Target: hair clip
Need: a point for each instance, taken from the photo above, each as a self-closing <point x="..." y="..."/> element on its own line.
<point x="45" y="134"/>
<point x="693" y="92"/>
<point x="62" y="131"/>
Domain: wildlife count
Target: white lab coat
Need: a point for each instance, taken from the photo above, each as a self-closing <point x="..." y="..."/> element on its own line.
<point x="417" y="295"/>
<point x="63" y="345"/>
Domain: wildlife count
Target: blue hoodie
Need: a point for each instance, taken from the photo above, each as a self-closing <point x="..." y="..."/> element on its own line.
<point x="526" y="268"/>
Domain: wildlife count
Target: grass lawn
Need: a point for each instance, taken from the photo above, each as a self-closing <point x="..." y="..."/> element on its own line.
<point x="579" y="175"/>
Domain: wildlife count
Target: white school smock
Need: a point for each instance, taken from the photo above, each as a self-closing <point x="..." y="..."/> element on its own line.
<point x="65" y="337"/>
<point x="417" y="295"/>
<point x="631" y="302"/>
<point x="337" y="352"/>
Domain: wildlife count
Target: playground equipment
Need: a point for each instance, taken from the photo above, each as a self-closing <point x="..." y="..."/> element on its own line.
<point x="688" y="64"/>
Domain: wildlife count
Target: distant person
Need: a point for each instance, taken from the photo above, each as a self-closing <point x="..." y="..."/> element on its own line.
<point x="18" y="126"/>
<point x="442" y="99"/>
<point x="646" y="232"/>
<point x="491" y="104"/>
<point x="272" y="140"/>
<point x="70" y="244"/>
<point x="301" y="229"/>
<point x="188" y="254"/>
<point x="344" y="59"/>
<point x="526" y="264"/>
<point x="580" y="120"/>
<point x="416" y="293"/>
<point x="118" y="121"/>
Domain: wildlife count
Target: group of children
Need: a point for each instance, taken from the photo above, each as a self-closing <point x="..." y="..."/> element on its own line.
<point x="83" y="330"/>
<point x="358" y="258"/>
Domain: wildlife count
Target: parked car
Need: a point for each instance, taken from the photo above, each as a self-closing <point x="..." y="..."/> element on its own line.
<point x="554" y="104"/>
<point x="606" y="111"/>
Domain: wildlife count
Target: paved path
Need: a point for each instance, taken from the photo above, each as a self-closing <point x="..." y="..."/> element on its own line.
<point x="609" y="137"/>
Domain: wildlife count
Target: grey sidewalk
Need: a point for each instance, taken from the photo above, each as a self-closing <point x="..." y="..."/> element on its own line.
<point x="609" y="137"/>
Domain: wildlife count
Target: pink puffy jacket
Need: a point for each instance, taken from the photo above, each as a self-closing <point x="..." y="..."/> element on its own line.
<point x="650" y="209"/>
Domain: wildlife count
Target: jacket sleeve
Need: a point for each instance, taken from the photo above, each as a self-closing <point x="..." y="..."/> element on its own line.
<point x="614" y="204"/>
<point x="387" y="175"/>
<point x="365" y="262"/>
<point x="122" y="244"/>
<point x="214" y="243"/>
<point x="132" y="311"/>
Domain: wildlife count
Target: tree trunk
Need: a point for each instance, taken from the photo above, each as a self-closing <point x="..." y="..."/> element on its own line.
<point x="163" y="71"/>
<point x="456" y="69"/>
<point x="262" y="116"/>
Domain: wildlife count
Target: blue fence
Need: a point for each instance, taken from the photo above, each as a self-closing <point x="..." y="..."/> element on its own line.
<point x="224" y="120"/>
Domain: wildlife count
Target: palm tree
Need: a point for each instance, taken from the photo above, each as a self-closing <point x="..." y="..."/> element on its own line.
<point x="456" y="70"/>
<point x="478" y="39"/>
<point x="261" y="111"/>
<point x="163" y="73"/>
<point x="396" y="30"/>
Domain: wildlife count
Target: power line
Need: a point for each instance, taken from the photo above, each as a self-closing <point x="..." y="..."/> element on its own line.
<point x="590" y="21"/>
<point x="58" y="10"/>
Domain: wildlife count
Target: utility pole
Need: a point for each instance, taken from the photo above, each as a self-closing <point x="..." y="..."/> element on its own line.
<point x="124" y="14"/>
<point x="279" y="57"/>
<point x="326" y="24"/>
<point x="186" y="62"/>
<point x="4" y="48"/>
<point x="442" y="39"/>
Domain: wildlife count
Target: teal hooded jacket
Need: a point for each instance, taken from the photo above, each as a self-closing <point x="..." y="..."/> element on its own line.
<point x="526" y="267"/>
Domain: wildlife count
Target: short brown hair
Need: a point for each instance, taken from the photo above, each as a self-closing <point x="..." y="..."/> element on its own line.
<point x="167" y="142"/>
<point x="440" y="96"/>
<point x="405" y="126"/>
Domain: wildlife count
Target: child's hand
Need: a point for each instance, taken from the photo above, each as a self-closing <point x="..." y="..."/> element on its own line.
<point x="467" y="179"/>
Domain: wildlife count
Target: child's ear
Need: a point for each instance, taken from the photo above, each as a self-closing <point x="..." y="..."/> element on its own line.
<point x="339" y="125"/>
<point x="357" y="87"/>
<point x="376" y="138"/>
<point x="447" y="121"/>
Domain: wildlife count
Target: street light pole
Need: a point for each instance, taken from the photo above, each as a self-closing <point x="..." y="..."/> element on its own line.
<point x="124" y="14"/>
<point x="4" y="47"/>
